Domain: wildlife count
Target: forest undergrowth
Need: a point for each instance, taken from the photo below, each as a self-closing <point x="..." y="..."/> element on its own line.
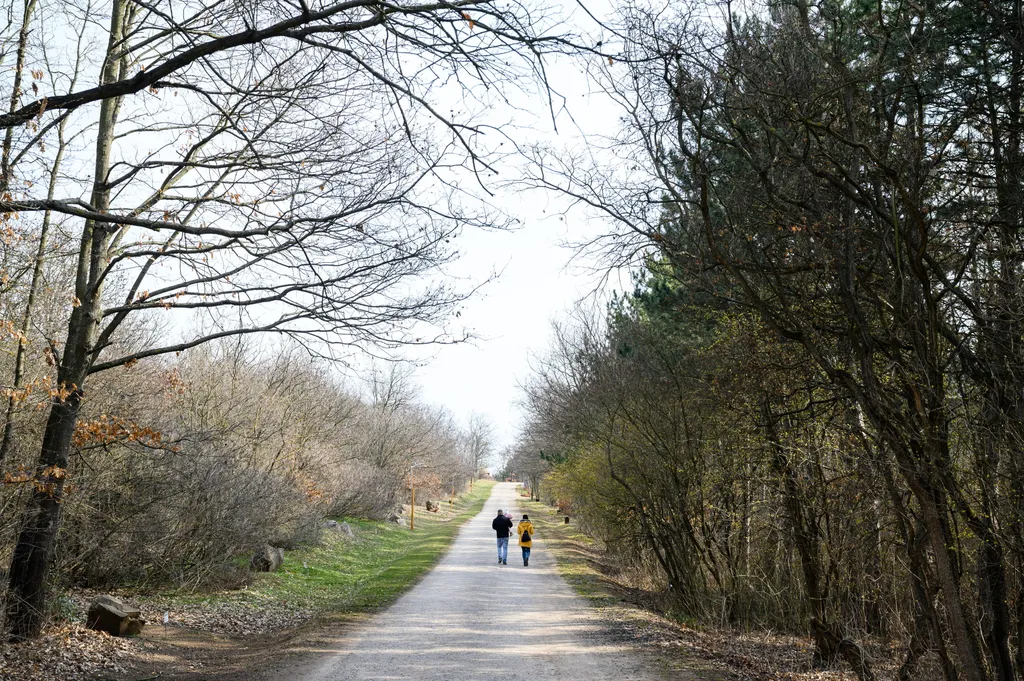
<point x="647" y="618"/>
<point x="336" y="579"/>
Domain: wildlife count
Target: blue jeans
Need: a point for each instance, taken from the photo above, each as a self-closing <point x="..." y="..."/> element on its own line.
<point x="503" y="548"/>
<point x="526" y="553"/>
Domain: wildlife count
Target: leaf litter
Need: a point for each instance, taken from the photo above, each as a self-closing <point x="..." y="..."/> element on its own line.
<point x="66" y="651"/>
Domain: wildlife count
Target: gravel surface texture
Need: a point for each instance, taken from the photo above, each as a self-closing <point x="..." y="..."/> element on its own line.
<point x="472" y="619"/>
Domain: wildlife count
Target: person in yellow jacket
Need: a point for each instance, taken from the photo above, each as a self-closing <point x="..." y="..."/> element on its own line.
<point x="525" y="530"/>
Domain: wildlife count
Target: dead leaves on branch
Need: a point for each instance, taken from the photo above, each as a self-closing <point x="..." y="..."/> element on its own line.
<point x="41" y="389"/>
<point x="107" y="430"/>
<point x="44" y="480"/>
<point x="103" y="431"/>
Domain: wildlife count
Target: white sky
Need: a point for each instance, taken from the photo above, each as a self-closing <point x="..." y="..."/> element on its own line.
<point x="512" y="316"/>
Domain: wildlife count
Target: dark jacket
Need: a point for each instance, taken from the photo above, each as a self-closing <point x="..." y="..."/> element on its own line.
<point x="501" y="525"/>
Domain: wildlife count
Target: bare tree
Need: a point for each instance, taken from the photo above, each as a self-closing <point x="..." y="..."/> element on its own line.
<point x="479" y="442"/>
<point x="42" y="238"/>
<point x="280" y="168"/>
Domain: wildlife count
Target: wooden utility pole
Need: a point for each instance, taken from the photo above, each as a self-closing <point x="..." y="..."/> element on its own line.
<point x="412" y="502"/>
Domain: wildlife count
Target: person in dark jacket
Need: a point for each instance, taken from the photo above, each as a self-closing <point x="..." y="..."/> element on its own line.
<point x="501" y="525"/>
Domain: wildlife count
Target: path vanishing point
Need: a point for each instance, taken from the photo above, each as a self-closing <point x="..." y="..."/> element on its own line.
<point x="471" y="619"/>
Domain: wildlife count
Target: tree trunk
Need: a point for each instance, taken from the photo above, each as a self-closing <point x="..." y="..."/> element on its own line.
<point x="30" y="563"/>
<point x="996" y="613"/>
<point x="19" y="69"/>
<point x="26" y="598"/>
<point x="960" y="628"/>
<point x="7" y="444"/>
<point x="829" y="642"/>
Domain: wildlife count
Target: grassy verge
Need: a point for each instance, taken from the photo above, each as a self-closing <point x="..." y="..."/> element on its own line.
<point x="579" y="562"/>
<point x="575" y="552"/>
<point x="342" y="576"/>
<point x="377" y="566"/>
<point x="682" y="647"/>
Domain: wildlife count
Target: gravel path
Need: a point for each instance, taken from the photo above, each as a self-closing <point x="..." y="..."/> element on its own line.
<point x="472" y="619"/>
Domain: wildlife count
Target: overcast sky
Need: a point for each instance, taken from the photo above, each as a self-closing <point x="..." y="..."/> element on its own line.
<point x="512" y="316"/>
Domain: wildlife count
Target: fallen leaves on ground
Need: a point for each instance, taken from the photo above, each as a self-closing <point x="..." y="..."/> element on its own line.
<point x="242" y="613"/>
<point x="750" y="656"/>
<point x="233" y="617"/>
<point x="69" y="651"/>
<point x="66" y="651"/>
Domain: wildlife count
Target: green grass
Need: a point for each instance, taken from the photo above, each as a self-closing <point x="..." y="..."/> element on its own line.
<point x="376" y="567"/>
<point x="351" y="575"/>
